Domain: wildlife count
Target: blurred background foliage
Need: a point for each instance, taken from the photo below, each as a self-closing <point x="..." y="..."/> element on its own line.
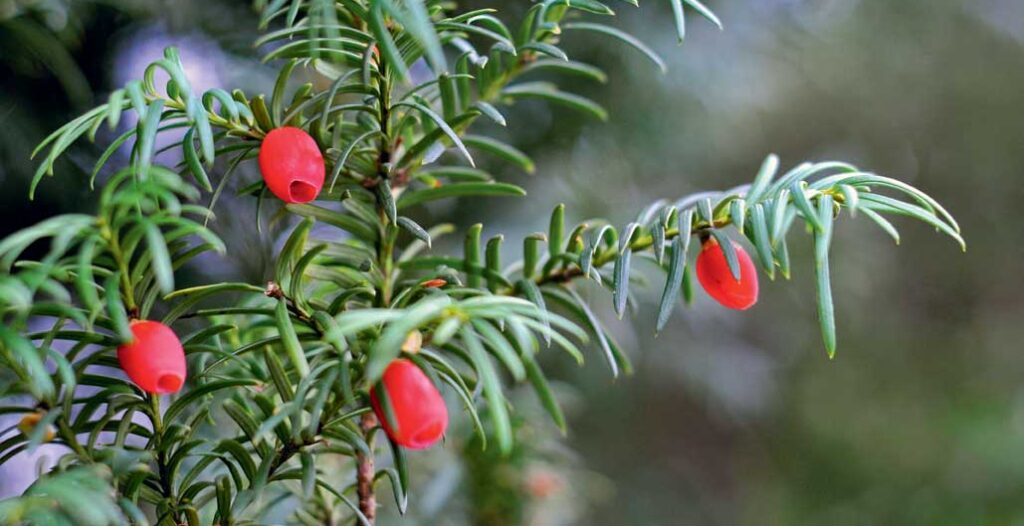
<point x="731" y="418"/>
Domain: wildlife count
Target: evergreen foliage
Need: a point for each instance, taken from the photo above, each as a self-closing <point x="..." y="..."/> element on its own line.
<point x="285" y="368"/>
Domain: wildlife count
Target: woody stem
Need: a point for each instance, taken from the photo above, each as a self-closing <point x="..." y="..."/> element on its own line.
<point x="365" y="471"/>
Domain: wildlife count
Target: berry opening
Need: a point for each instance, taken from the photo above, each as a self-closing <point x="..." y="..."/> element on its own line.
<point x="301" y="192"/>
<point x="426" y="436"/>
<point x="169" y="383"/>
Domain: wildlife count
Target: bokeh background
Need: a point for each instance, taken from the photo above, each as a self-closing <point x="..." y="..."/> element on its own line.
<point x="730" y="418"/>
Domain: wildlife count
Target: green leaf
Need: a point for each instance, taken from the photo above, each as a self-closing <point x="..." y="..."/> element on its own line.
<point x="386" y="200"/>
<point x="546" y="49"/>
<point x="84" y="278"/>
<point x="442" y="125"/>
<point x="659" y="237"/>
<point x="147" y="137"/>
<point x="860" y="179"/>
<point x="532" y="292"/>
<point x="115" y="106"/>
<point x="296" y="290"/>
<point x="161" y="259"/>
<point x="764" y="177"/>
<point x="340" y="496"/>
<point x="621" y="281"/>
<point x="338" y="219"/>
<point x="532" y="253"/>
<point x="782" y="257"/>
<point x="492" y="388"/>
<point x="490" y="111"/>
<point x="501" y="150"/>
<point x="14" y="293"/>
<point x="324" y="388"/>
<point x="452" y="378"/>
<point x="492" y="260"/>
<point x="290" y="340"/>
<point x="277" y="99"/>
<point x="556" y="231"/>
<point x="449" y="96"/>
<point x="796" y="190"/>
<point x="729" y="251"/>
<point x="591" y="6"/>
<point x="260" y="113"/>
<point x="689" y="289"/>
<point x="38" y="380"/>
<point x="502" y="348"/>
<point x="278" y="375"/>
<point x="193" y="163"/>
<point x="623" y="36"/>
<point x="705" y="12"/>
<point x="738" y="213"/>
<point x="399" y="476"/>
<point x="389" y="345"/>
<point x="674" y="281"/>
<point x="706" y="212"/>
<point x="471" y="254"/>
<point x="502" y="42"/>
<point x="417" y="151"/>
<point x="182" y="403"/>
<point x="762" y="243"/>
<point x="569" y="67"/>
<point x="822" y="240"/>
<point x="778" y="218"/>
<point x="308" y="472"/>
<point x="115" y="307"/>
<point x="416" y="197"/>
<point x="385" y="42"/>
<point x="243" y="418"/>
<point x="883" y="223"/>
<point x="881" y="203"/>
<point x="197" y="113"/>
<point x="543" y="390"/>
<point x="290" y="252"/>
<point x="224" y="498"/>
<point x="339" y="164"/>
<point x="416" y="21"/>
<point x="597" y="237"/>
<point x="194" y="295"/>
<point x="850" y="198"/>
<point x="680" y="19"/>
<point x="454" y="174"/>
<point x="62" y="139"/>
<point x="548" y="92"/>
<point x="572" y="299"/>
<point x="415" y="229"/>
<point x="233" y="108"/>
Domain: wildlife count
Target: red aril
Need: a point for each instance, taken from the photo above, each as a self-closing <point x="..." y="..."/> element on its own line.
<point x="31" y="421"/>
<point x="292" y="165"/>
<point x="716" y="278"/>
<point x="154" y="360"/>
<point x="420" y="414"/>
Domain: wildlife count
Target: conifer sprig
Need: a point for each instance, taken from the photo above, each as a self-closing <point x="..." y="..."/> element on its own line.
<point x="281" y="373"/>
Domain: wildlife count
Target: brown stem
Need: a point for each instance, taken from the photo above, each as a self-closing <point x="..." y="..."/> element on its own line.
<point x="607" y="256"/>
<point x="365" y="471"/>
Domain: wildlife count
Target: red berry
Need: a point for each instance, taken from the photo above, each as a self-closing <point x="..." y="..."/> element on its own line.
<point x="716" y="278"/>
<point x="29" y="423"/>
<point x="419" y="410"/>
<point x="292" y="165"/>
<point x="433" y="283"/>
<point x="154" y="360"/>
